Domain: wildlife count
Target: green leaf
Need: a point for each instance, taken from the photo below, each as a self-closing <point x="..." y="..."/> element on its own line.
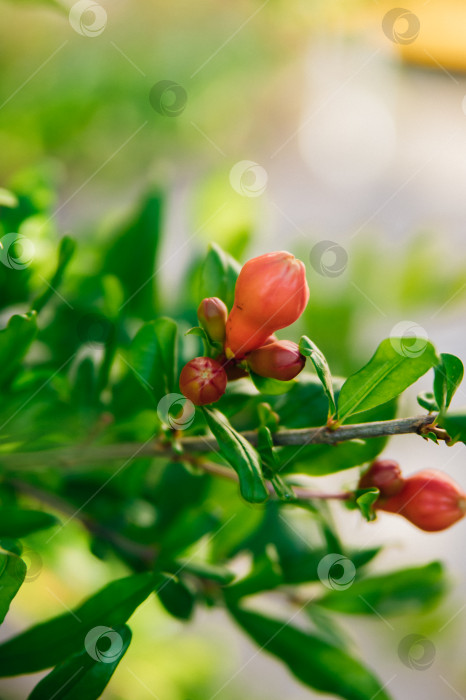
<point x="20" y="523"/>
<point x="152" y="357"/>
<point x="240" y="454"/>
<point x="387" y="374"/>
<point x="132" y="257"/>
<point x="8" y="199"/>
<point x="395" y="593"/>
<point x="448" y="375"/>
<point x="176" y="597"/>
<point x="314" y="661"/>
<point x="212" y="572"/>
<point x="265" y="575"/>
<point x="218" y="275"/>
<point x="427" y="400"/>
<point x="455" y="425"/>
<point x="271" y="387"/>
<point x="87" y="674"/>
<point x="12" y="573"/>
<point x="309" y="349"/>
<point x="365" y="499"/>
<point x="65" y="253"/>
<point x="15" y="340"/>
<point x="48" y="643"/>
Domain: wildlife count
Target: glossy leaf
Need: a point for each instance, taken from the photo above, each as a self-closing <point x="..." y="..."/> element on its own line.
<point x="87" y="674"/>
<point x="152" y="357"/>
<point x="314" y="661"/>
<point x="15" y="522"/>
<point x="240" y="454"/>
<point x="12" y="574"/>
<point x="455" y="424"/>
<point x="48" y="643"/>
<point x="310" y="350"/>
<point x="387" y="374"/>
<point x="448" y="375"/>
<point x="218" y="275"/>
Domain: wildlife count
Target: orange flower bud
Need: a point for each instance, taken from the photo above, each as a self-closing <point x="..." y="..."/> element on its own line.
<point x="271" y="293"/>
<point x="385" y="474"/>
<point x="279" y="359"/>
<point x="212" y="314"/>
<point x="429" y="499"/>
<point x="203" y="381"/>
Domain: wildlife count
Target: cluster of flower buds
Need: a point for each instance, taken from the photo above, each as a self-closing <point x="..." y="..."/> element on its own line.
<point x="271" y="293"/>
<point x="429" y="499"/>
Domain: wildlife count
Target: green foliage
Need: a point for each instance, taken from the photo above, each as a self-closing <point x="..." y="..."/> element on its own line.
<point x="448" y="375"/>
<point x="310" y="349"/>
<point x="12" y="573"/>
<point x="218" y="276"/>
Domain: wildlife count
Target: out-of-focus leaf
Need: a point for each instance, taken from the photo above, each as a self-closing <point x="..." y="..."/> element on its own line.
<point x="12" y="573"/>
<point x="240" y="454"/>
<point x="265" y="575"/>
<point x="65" y="253"/>
<point x="20" y="523"/>
<point x="153" y="357"/>
<point x="314" y="661"/>
<point x="218" y="275"/>
<point x="132" y="258"/>
<point x="50" y="642"/>
<point x="365" y="499"/>
<point x="448" y="375"/>
<point x="427" y="400"/>
<point x="387" y="374"/>
<point x="310" y="349"/>
<point x="8" y="199"/>
<point x="271" y="387"/>
<point x="176" y="597"/>
<point x="86" y="675"/>
<point x="212" y="572"/>
<point x="455" y="424"/>
<point x="393" y="593"/>
<point x="15" y="340"/>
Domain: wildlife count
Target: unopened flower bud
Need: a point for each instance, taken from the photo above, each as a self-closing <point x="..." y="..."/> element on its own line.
<point x="203" y="380"/>
<point x="429" y="499"/>
<point x="385" y="474"/>
<point x="212" y="314"/>
<point x="271" y="293"/>
<point x="280" y="359"/>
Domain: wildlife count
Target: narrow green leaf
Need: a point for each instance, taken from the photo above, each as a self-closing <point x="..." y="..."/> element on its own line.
<point x="395" y="593"/>
<point x="212" y="572"/>
<point x="15" y="340"/>
<point x="365" y="499"/>
<point x="314" y="661"/>
<point x="218" y="275"/>
<point x="65" y="253"/>
<point x="86" y="675"/>
<point x="15" y="522"/>
<point x="240" y="454"/>
<point x="153" y="357"/>
<point x="271" y="387"/>
<point x="12" y="573"/>
<point x="387" y="374"/>
<point x="310" y="349"/>
<point x="48" y="643"/>
<point x="448" y="375"/>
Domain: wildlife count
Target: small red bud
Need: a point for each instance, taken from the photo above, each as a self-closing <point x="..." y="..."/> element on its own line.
<point x="271" y="293"/>
<point x="429" y="499"/>
<point x="203" y="381"/>
<point x="212" y="314"/>
<point x="279" y="359"/>
<point x="385" y="474"/>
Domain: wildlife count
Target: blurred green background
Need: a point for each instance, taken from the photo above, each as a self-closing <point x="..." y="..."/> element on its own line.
<point x="359" y="141"/>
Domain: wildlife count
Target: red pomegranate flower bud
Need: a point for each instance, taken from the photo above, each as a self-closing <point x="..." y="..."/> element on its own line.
<point x="429" y="499"/>
<point x="203" y="381"/>
<point x="212" y="314"/>
<point x="279" y="359"/>
<point x="385" y="474"/>
<point x="271" y="293"/>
